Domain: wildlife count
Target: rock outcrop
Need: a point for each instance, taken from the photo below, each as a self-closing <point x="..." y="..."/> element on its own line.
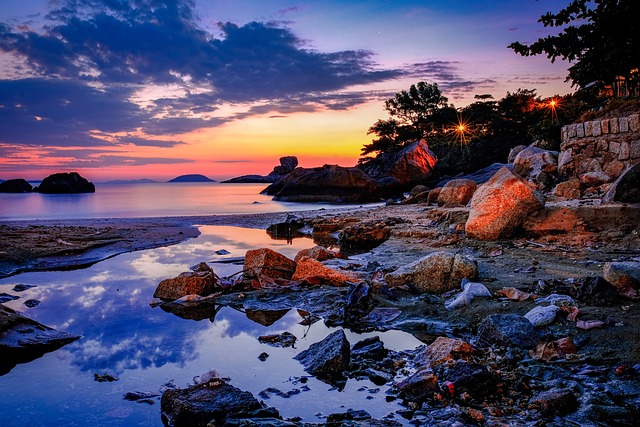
<point x="201" y="281"/>
<point x="15" y="186"/>
<point x="314" y="272"/>
<point x="269" y="263"/>
<point x="410" y="166"/>
<point x="438" y="272"/>
<point x="500" y="205"/>
<point x="65" y="183"/>
<point x="329" y="184"/>
<point x="286" y="166"/>
<point x="23" y="340"/>
<point x="537" y="165"/>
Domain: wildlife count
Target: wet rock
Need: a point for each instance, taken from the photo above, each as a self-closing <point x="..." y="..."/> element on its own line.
<point x="500" y="205"/>
<point x="358" y="301"/>
<point x="555" y="402"/>
<point x="438" y="272"/>
<point x="32" y="303"/>
<point x="23" y="340"/>
<point x="286" y="230"/>
<point x="625" y="276"/>
<point x="471" y="378"/>
<point x="212" y="402"/>
<point x="265" y="317"/>
<point x="510" y="330"/>
<point x="313" y="272"/>
<point x="369" y="348"/>
<point x="139" y="395"/>
<point x="285" y="339"/>
<point x="15" y="186"/>
<point x="64" y="183"/>
<point x="568" y="189"/>
<point x="257" y="422"/>
<point x="202" y="281"/>
<point x="4" y="297"/>
<point x="319" y="253"/>
<point x="269" y="263"/>
<point x="357" y="415"/>
<point x="366" y="235"/>
<point x="328" y="358"/>
<point x="457" y="191"/>
<point x="104" y="378"/>
<point x="442" y="350"/>
<point x="626" y="188"/>
<point x="22" y="287"/>
<point x="419" y="386"/>
<point x="263" y="356"/>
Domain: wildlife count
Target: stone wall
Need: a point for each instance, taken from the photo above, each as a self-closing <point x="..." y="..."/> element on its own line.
<point x="607" y="147"/>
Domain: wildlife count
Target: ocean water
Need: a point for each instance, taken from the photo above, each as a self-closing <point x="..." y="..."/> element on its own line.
<point x="147" y="348"/>
<point x="147" y="200"/>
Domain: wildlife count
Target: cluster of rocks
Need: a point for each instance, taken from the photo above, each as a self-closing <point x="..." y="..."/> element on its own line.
<point x="58" y="183"/>
<point x="385" y="178"/>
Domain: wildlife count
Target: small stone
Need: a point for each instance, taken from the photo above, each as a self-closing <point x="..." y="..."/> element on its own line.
<point x="510" y="330"/>
<point x="556" y="402"/>
<point x="32" y="303"/>
<point x="625" y="276"/>
<point x="327" y="358"/>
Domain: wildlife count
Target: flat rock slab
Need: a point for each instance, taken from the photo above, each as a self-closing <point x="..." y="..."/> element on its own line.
<point x="23" y="340"/>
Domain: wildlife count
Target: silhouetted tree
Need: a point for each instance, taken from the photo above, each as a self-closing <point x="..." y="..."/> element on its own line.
<point x="601" y="38"/>
<point x="420" y="112"/>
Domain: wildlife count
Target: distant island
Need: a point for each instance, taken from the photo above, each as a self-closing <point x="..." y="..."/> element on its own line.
<point x="191" y="178"/>
<point x="131" y="181"/>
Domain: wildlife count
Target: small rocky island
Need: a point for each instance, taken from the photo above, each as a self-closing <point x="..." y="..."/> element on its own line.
<point x="58" y="183"/>
<point x="191" y="178"/>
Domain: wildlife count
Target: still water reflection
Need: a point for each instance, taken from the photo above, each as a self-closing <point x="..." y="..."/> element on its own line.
<point x="108" y="304"/>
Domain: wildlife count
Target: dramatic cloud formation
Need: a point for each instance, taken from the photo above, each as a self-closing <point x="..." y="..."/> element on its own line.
<point x="107" y="74"/>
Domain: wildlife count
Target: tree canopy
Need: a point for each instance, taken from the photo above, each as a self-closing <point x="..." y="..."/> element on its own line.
<point x="601" y="38"/>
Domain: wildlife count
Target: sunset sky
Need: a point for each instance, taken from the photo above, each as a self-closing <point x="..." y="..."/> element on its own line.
<point x="119" y="89"/>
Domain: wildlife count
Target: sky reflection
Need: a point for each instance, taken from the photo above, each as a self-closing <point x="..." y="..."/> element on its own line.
<point x="108" y="304"/>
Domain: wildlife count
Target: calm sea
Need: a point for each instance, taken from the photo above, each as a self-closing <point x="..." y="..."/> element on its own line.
<point x="146" y="200"/>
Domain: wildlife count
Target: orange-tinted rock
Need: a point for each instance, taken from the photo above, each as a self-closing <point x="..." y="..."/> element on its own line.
<point x="568" y="189"/>
<point x="433" y="195"/>
<point x="266" y="262"/>
<point x="319" y="253"/>
<point x="313" y="272"/>
<point x="500" y="205"/>
<point x="438" y="272"/>
<point x="201" y="283"/>
<point x="625" y="276"/>
<point x="457" y="191"/>
<point x="443" y="350"/>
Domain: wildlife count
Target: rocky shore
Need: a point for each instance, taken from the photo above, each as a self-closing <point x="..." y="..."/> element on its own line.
<point x="537" y="326"/>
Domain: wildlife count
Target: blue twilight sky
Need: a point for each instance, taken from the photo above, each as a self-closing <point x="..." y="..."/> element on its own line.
<point x="147" y="88"/>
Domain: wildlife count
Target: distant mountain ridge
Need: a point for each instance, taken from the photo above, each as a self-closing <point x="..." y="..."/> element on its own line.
<point x="131" y="181"/>
<point x="191" y="178"/>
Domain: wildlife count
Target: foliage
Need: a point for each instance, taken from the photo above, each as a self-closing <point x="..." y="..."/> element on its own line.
<point x="417" y="113"/>
<point x="600" y="37"/>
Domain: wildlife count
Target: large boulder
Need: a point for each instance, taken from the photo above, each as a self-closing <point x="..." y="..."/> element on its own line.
<point x="626" y="189"/>
<point x="410" y="166"/>
<point x="287" y="165"/>
<point x="501" y="205"/>
<point x="65" y="183"/>
<point x="267" y="262"/>
<point x="15" y="186"/>
<point x="328" y="358"/>
<point x="23" y="340"/>
<point x="537" y="165"/>
<point x="202" y="404"/>
<point x="329" y="184"/>
<point x="457" y="191"/>
<point x="438" y="272"/>
<point x="202" y="281"/>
